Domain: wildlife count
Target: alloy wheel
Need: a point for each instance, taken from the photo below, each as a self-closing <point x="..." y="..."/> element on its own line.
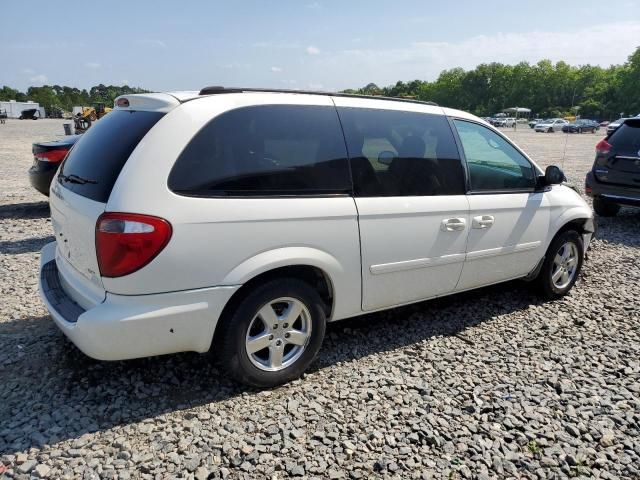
<point x="278" y="334"/>
<point x="565" y="265"/>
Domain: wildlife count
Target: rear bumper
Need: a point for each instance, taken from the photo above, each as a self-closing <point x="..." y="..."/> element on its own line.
<point x="41" y="174"/>
<point x="613" y="193"/>
<point x="123" y="327"/>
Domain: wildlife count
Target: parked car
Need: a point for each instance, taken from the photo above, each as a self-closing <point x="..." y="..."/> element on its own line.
<point x="47" y="157"/>
<point x="582" y="125"/>
<point x="550" y="125"/>
<point x="535" y="121"/>
<point x="29" y="114"/>
<point x="614" y="179"/>
<point x="244" y="220"/>
<point x="613" y="126"/>
<point x="506" y="122"/>
<point x="604" y="123"/>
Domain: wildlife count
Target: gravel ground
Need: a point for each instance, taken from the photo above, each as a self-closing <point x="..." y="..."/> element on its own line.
<point x="489" y="384"/>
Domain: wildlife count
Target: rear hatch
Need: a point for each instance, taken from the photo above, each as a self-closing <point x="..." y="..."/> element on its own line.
<point x="621" y="164"/>
<point x="82" y="187"/>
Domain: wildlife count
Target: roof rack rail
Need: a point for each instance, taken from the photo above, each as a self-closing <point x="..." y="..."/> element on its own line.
<point x="215" y="90"/>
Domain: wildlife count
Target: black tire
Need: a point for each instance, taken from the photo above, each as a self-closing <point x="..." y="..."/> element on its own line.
<point x="231" y="337"/>
<point x="604" y="208"/>
<point x="544" y="281"/>
<point x="550" y="130"/>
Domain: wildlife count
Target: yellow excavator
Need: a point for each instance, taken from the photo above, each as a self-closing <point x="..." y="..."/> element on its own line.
<point x="89" y="114"/>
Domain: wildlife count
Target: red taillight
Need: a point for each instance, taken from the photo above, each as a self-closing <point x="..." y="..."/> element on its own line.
<point x="603" y="146"/>
<point x="52" y="156"/>
<point x="588" y="190"/>
<point x="126" y="242"/>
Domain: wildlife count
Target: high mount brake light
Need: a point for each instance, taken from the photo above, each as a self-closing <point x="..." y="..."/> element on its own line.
<point x="126" y="242"/>
<point x="52" y="156"/>
<point x="122" y="102"/>
<point x="603" y="146"/>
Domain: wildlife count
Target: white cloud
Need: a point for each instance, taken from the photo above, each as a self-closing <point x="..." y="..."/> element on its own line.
<point x="92" y="65"/>
<point x="41" y="78"/>
<point x="425" y="59"/>
<point x="276" y="46"/>
<point x="28" y="71"/>
<point x="311" y="50"/>
<point x="315" y="86"/>
<point x="153" y="42"/>
<point x="235" y="66"/>
<point x="276" y="69"/>
<point x="314" y="6"/>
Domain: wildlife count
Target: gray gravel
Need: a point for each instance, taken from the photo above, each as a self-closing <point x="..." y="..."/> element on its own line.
<point x="490" y="384"/>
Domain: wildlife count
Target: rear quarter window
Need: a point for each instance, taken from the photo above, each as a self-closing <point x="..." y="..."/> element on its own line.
<point x="94" y="163"/>
<point x="626" y="139"/>
<point x="265" y="150"/>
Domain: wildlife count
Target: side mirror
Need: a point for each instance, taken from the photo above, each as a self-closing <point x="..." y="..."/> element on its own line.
<point x="553" y="175"/>
<point x="386" y="157"/>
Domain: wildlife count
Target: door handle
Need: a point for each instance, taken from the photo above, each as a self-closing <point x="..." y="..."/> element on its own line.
<point x="482" y="221"/>
<point x="453" y="224"/>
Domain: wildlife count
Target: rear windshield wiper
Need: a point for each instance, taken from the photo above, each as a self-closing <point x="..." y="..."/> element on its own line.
<point x="73" y="178"/>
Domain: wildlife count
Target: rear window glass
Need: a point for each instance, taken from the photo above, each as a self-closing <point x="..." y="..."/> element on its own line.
<point x="94" y="163"/>
<point x="626" y="139"/>
<point x="265" y="150"/>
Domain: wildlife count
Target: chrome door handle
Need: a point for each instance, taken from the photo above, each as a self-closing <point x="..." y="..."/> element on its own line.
<point x="482" y="221"/>
<point x="453" y="224"/>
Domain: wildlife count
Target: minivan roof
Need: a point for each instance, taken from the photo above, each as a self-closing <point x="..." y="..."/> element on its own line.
<point x="214" y="90"/>
<point x="163" y="102"/>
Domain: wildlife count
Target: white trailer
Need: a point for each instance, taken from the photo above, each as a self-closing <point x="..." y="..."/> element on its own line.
<point x="13" y="109"/>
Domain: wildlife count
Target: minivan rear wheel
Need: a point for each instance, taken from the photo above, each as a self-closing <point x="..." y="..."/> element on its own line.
<point x="562" y="264"/>
<point x="605" y="208"/>
<point x="274" y="333"/>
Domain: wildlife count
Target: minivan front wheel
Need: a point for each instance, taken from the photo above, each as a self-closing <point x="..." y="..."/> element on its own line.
<point x="562" y="264"/>
<point x="274" y="333"/>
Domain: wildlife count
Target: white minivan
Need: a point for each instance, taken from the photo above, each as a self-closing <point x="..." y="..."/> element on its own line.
<point x="244" y="220"/>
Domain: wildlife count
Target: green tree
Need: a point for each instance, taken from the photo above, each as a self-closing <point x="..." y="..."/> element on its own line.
<point x="546" y="88"/>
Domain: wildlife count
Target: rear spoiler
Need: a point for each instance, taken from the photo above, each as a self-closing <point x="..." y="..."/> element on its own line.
<point x="150" y="102"/>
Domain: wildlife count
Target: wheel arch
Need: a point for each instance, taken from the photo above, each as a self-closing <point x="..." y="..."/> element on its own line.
<point x="312" y="266"/>
<point x="579" y="219"/>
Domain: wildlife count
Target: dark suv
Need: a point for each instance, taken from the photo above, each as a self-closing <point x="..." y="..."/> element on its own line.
<point x="614" y="179"/>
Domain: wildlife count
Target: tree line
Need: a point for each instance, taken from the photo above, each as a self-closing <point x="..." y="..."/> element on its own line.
<point x="548" y="89"/>
<point x="53" y="97"/>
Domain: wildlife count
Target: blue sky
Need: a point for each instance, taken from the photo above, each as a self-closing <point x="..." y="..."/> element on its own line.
<point x="317" y="44"/>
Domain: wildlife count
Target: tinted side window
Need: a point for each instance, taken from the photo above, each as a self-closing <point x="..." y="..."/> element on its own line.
<point x="493" y="163"/>
<point x="395" y="153"/>
<point x="94" y="163"/>
<point x="626" y="139"/>
<point x="265" y="150"/>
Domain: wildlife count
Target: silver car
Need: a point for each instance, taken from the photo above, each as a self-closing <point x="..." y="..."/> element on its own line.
<point x="550" y="125"/>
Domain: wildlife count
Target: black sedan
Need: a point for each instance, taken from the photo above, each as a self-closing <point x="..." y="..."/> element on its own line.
<point x="580" y="126"/>
<point x="47" y="157"/>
